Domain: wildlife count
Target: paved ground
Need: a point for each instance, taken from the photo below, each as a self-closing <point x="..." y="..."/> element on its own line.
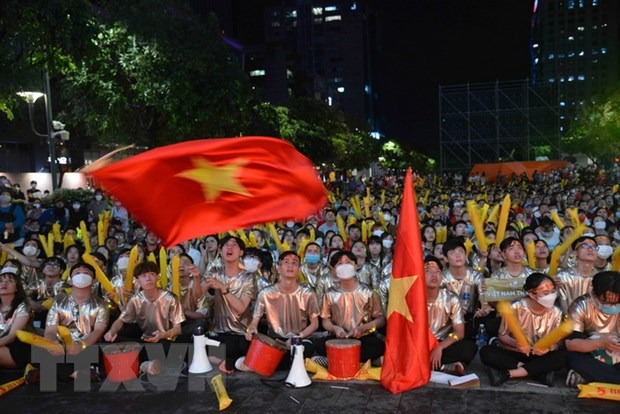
<point x="251" y="394"/>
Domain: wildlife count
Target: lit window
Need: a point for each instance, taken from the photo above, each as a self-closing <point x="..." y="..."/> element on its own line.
<point x="581" y="28"/>
<point x="275" y="24"/>
<point x="331" y="8"/>
<point x="571" y="54"/>
<point x="551" y="80"/>
<point x="258" y="72"/>
<point x="571" y="78"/>
<point x="581" y="77"/>
<point x="341" y="89"/>
<point x="581" y="53"/>
<point x="551" y="56"/>
<point x="354" y="6"/>
<point x="332" y="18"/>
<point x="535" y="45"/>
<point x="571" y="37"/>
<point x="562" y="103"/>
<point x="603" y="50"/>
<point x="595" y="2"/>
<point x="536" y="61"/>
<point x="317" y="11"/>
<point x="329" y="100"/>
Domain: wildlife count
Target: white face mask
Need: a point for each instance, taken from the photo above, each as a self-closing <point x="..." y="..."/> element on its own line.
<point x="122" y="263"/>
<point x="98" y="197"/>
<point x="377" y="233"/>
<point x="290" y="224"/>
<point x="29" y="250"/>
<point x="387" y="243"/>
<point x="599" y="225"/>
<point x="345" y="271"/>
<point x="8" y="269"/>
<point x="605" y="251"/>
<point x="387" y="217"/>
<point x="548" y="300"/>
<point x="588" y="234"/>
<point x="81" y="280"/>
<point x="251" y="264"/>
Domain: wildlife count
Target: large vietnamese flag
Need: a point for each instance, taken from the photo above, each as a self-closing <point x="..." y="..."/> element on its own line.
<point x="406" y="363"/>
<point x="206" y="186"/>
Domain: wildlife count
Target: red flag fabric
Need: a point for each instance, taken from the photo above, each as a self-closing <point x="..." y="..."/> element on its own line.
<point x="406" y="363"/>
<point x="200" y="187"/>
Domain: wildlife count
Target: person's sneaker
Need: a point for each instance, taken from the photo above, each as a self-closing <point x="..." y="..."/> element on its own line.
<point x="455" y="368"/>
<point x="240" y="365"/>
<point x="151" y="367"/>
<point x="498" y="376"/>
<point x="573" y="379"/>
<point x="320" y="360"/>
<point x="494" y="341"/>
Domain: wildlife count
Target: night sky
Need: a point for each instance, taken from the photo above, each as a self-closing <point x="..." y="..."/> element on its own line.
<point x="427" y="43"/>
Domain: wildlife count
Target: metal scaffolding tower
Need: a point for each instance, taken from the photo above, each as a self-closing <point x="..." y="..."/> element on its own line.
<point x="495" y="122"/>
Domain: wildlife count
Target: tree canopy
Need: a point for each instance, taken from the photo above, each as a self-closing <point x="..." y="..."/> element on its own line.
<point x="596" y="132"/>
<point x="154" y="72"/>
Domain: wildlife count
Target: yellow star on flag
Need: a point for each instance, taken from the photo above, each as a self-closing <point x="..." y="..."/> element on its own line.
<point x="397" y="301"/>
<point x="216" y="179"/>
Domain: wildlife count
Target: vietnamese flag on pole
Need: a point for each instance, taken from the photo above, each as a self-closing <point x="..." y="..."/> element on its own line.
<point x="207" y="186"/>
<point x="406" y="363"/>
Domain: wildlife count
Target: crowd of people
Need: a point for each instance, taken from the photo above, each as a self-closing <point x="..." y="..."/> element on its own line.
<point x="328" y="276"/>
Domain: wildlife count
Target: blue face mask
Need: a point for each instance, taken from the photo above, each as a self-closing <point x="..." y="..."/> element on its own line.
<point x="470" y="229"/>
<point x="618" y="214"/>
<point x="312" y="258"/>
<point x="610" y="309"/>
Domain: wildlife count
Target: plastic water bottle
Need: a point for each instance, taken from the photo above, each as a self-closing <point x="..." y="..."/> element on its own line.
<point x="481" y="337"/>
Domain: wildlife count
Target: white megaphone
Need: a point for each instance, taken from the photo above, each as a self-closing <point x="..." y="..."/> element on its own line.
<point x="297" y="376"/>
<point x="200" y="361"/>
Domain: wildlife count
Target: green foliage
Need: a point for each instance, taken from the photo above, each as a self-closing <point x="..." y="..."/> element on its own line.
<point x="156" y="88"/>
<point x="68" y="195"/>
<point x="596" y="132"/>
<point x="395" y="156"/>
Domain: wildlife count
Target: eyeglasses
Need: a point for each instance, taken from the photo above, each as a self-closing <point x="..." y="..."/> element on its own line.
<point x="588" y="246"/>
<point x="52" y="264"/>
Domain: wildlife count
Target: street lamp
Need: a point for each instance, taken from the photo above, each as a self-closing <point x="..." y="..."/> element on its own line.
<point x="31" y="98"/>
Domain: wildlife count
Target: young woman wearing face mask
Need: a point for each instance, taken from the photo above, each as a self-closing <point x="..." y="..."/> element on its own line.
<point x="538" y="316"/>
<point x="351" y="310"/>
<point x="594" y="346"/>
<point x="312" y="267"/>
<point x="29" y="258"/>
<point x="252" y="263"/>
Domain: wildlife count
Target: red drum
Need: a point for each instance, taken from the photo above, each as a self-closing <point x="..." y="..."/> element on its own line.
<point x="343" y="357"/>
<point x="264" y="355"/>
<point x="121" y="361"/>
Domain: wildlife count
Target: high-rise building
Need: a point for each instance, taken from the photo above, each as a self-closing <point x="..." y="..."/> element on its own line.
<point x="575" y="47"/>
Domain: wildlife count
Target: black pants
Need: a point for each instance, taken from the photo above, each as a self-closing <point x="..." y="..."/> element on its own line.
<point x="235" y="345"/>
<point x="593" y="370"/>
<point x="372" y="346"/>
<point x="505" y="359"/>
<point x="461" y="351"/>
